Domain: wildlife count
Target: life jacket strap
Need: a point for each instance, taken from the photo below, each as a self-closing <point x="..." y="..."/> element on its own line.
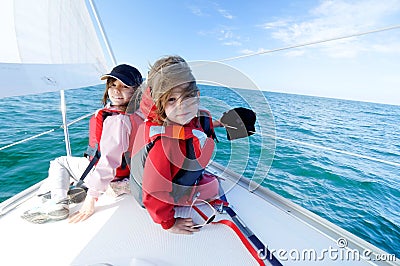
<point x="92" y="163"/>
<point x="90" y="151"/>
<point x="205" y="122"/>
<point x="185" y="181"/>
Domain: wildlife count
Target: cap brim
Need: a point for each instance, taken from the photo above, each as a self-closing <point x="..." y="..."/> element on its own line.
<point x="111" y="76"/>
<point x="104" y="77"/>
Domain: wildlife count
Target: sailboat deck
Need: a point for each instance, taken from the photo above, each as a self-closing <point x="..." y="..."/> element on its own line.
<point x="122" y="233"/>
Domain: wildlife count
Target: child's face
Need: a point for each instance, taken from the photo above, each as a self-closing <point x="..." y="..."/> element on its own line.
<point x="179" y="109"/>
<point x="119" y="93"/>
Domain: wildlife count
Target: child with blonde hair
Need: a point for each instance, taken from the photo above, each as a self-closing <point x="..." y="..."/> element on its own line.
<point x="173" y="146"/>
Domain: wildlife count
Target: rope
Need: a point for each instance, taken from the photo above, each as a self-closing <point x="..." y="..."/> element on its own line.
<point x="44" y="133"/>
<point x="310" y="43"/>
<point x="336" y="150"/>
<point x="79" y="119"/>
<point x="323" y="147"/>
<point x="24" y="140"/>
<point x="307" y="44"/>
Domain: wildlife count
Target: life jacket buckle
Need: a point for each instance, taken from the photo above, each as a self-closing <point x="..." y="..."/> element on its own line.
<point x="219" y="205"/>
<point x="91" y="151"/>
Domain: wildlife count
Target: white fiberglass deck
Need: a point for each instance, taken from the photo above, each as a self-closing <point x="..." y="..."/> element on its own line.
<point x="122" y="233"/>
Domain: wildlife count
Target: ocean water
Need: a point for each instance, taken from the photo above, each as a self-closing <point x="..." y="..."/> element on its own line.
<point x="357" y="194"/>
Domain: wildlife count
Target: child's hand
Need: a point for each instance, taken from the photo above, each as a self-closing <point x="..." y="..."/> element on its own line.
<point x="217" y="123"/>
<point x="183" y="226"/>
<point x="85" y="212"/>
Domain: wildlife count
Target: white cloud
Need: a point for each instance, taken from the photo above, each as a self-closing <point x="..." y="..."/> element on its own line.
<point x="199" y="10"/>
<point x="228" y="37"/>
<point x="232" y="43"/>
<point x="296" y="52"/>
<point x="225" y="13"/>
<point x="248" y="51"/>
<point x="334" y="19"/>
<point x="344" y="49"/>
<point x="274" y="24"/>
<point x="392" y="48"/>
<point x="196" y="11"/>
<point x="225" y="35"/>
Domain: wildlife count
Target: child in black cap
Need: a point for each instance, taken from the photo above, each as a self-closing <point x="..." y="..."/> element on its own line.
<point x="111" y="133"/>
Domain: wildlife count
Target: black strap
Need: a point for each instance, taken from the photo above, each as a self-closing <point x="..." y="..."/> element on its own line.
<point x="190" y="154"/>
<point x="189" y="175"/>
<point x="205" y="121"/>
<point x="94" y="160"/>
<point x="96" y="155"/>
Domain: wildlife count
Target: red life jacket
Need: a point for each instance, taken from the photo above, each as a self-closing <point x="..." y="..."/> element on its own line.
<point x="95" y="132"/>
<point x="191" y="170"/>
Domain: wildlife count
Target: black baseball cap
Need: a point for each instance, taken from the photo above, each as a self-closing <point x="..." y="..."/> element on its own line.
<point x="127" y="74"/>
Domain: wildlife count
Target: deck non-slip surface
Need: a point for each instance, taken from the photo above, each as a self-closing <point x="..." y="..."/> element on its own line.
<point x="119" y="233"/>
<point x="122" y="233"/>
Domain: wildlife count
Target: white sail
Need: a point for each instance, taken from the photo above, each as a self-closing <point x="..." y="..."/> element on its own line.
<point x="48" y="45"/>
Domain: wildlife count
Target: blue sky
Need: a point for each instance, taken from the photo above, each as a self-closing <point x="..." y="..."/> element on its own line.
<point x="365" y="68"/>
